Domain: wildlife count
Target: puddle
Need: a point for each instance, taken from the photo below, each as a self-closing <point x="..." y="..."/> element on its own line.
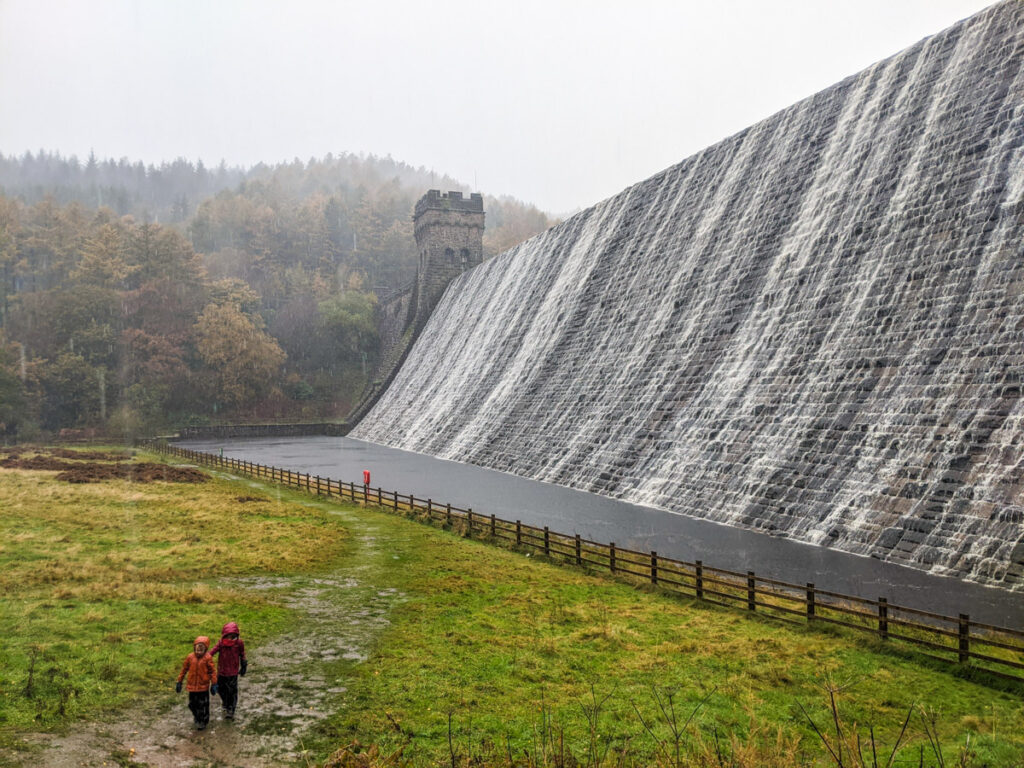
<point x="289" y="686"/>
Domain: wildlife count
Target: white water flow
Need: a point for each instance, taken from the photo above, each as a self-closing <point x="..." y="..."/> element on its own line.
<point x="814" y="328"/>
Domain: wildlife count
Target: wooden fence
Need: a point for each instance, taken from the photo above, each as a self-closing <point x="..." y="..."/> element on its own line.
<point x="997" y="650"/>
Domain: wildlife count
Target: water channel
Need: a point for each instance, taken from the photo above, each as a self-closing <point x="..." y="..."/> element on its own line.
<point x="635" y="527"/>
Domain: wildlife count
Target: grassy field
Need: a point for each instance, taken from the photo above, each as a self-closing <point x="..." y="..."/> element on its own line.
<point x="490" y="657"/>
<point x="105" y="585"/>
<point x="497" y="654"/>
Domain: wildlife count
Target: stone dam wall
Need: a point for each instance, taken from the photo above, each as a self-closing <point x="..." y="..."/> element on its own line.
<point x="814" y="328"/>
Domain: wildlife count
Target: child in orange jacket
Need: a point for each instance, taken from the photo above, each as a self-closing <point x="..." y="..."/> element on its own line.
<point x="202" y="680"/>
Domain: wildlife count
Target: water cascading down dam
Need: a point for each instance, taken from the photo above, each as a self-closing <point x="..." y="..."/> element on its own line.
<point x="814" y="328"/>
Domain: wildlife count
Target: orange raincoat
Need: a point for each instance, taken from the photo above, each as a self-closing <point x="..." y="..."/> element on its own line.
<point x="201" y="671"/>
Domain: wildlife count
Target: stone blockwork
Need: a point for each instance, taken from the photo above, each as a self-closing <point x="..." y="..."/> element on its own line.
<point x="393" y="312"/>
<point x="814" y="328"/>
<point x="449" y="240"/>
<point x="449" y="231"/>
<point x="237" y="431"/>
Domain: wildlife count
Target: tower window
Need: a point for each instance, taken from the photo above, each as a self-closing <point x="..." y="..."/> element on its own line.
<point x="465" y="256"/>
<point x="449" y="255"/>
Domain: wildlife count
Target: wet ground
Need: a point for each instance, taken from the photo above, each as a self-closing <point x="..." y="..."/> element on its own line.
<point x="292" y="682"/>
<point x="95" y="467"/>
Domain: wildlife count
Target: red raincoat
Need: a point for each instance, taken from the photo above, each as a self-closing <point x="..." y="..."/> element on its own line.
<point x="230" y="652"/>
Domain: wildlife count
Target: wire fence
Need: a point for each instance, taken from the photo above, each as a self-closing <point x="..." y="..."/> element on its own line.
<point x="957" y="639"/>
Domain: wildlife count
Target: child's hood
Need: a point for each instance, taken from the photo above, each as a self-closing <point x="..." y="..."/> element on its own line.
<point x="201" y="639"/>
<point x="231" y="628"/>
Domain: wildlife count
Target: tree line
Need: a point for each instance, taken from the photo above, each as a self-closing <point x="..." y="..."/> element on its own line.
<point x="123" y="310"/>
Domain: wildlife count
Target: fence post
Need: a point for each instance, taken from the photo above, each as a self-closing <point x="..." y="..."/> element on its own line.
<point x="430" y="508"/>
<point x="469" y="517"/>
<point x="396" y="500"/>
<point x="448" y="513"/>
<point x="751" y="594"/>
<point x="492" y="527"/>
<point x="883" y="618"/>
<point x="379" y="504"/>
<point x="412" y="504"/>
<point x="965" y="638"/>
<point x="519" y="533"/>
<point x="611" y="557"/>
<point x="654" y="567"/>
<point x="547" y="541"/>
<point x="698" y="575"/>
<point x="318" y="485"/>
<point x="810" y="601"/>
<point x="579" y="551"/>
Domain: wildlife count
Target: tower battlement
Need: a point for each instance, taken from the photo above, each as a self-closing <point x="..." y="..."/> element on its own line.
<point x="448" y="201"/>
<point x="449" y="229"/>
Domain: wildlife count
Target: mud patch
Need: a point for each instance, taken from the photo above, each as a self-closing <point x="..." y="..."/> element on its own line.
<point x="294" y="680"/>
<point x="40" y="462"/>
<point x="144" y="472"/>
<point x="250" y="499"/>
<point x="97" y="466"/>
<point x="50" y="458"/>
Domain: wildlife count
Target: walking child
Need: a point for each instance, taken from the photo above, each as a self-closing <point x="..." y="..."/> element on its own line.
<point x="231" y="664"/>
<point x="198" y="667"/>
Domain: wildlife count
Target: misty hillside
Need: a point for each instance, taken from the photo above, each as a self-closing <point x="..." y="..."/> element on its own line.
<point x="117" y="280"/>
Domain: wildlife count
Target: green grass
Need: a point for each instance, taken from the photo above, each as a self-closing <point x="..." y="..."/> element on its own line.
<point x="105" y="585"/>
<point x="519" y="651"/>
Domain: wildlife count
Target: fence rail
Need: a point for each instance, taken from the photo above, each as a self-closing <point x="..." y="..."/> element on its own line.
<point x="998" y="650"/>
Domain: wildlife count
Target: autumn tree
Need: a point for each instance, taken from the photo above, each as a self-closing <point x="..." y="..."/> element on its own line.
<point x="74" y="392"/>
<point x="13" y="401"/>
<point x="242" y="358"/>
<point x="102" y="259"/>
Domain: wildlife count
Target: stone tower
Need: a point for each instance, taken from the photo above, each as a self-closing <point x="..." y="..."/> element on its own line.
<point x="449" y="232"/>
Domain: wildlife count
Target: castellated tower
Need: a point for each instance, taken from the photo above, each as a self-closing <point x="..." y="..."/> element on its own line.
<point x="449" y="240"/>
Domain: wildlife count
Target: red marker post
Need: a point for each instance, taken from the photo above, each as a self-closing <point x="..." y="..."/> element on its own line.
<point x="366" y="478"/>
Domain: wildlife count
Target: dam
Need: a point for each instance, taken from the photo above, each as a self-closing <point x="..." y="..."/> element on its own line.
<point x="813" y="329"/>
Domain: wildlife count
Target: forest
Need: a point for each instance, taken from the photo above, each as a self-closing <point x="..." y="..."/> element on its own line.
<point x="138" y="299"/>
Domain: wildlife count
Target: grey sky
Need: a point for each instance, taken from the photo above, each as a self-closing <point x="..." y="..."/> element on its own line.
<point x="560" y="103"/>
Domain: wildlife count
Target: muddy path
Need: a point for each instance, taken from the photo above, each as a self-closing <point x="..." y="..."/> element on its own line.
<point x="289" y="687"/>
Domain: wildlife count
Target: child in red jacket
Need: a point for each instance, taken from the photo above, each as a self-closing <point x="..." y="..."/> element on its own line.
<point x="231" y="663"/>
<point x="202" y="679"/>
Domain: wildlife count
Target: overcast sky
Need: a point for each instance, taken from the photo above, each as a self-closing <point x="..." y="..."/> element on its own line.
<point x="558" y="102"/>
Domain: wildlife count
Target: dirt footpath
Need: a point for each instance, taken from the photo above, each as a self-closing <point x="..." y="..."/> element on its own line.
<point x="288" y="687"/>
